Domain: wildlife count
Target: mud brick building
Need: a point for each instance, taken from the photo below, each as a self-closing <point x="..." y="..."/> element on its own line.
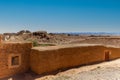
<point x="14" y="58"/>
<point x="19" y="57"/>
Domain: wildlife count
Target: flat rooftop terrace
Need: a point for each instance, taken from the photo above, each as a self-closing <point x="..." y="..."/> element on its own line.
<point x="44" y="48"/>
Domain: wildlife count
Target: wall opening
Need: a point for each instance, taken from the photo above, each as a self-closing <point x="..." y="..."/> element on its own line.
<point x="14" y="60"/>
<point x="107" y="55"/>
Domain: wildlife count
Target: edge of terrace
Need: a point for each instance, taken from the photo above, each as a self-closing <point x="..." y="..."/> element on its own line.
<point x="47" y="48"/>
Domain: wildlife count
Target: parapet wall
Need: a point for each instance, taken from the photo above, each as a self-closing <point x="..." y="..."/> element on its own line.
<point x="9" y="53"/>
<point x="43" y="61"/>
<point x="114" y="53"/>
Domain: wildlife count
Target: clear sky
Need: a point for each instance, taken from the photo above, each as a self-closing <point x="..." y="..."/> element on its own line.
<point x="60" y="15"/>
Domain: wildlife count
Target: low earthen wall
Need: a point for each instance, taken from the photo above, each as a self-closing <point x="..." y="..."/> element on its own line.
<point x="114" y="53"/>
<point x="51" y="60"/>
<point x="47" y="59"/>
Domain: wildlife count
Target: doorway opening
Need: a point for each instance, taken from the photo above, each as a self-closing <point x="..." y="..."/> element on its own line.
<point x="107" y="55"/>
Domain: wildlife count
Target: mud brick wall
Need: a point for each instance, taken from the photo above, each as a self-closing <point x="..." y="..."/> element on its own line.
<point x="52" y="60"/>
<point x="6" y="49"/>
<point x="114" y="53"/>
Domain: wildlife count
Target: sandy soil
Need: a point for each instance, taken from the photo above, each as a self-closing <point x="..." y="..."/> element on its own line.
<point x="102" y="71"/>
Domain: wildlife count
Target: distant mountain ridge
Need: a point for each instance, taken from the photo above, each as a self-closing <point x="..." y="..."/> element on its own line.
<point x="90" y="33"/>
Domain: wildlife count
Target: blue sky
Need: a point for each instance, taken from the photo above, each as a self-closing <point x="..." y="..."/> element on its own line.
<point x="60" y="15"/>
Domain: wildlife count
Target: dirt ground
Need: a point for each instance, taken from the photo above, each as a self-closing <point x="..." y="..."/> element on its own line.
<point x="61" y="39"/>
<point x="103" y="71"/>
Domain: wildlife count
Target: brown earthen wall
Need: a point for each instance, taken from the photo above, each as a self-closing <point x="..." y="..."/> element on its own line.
<point x="114" y="53"/>
<point x="7" y="49"/>
<point x="51" y="60"/>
